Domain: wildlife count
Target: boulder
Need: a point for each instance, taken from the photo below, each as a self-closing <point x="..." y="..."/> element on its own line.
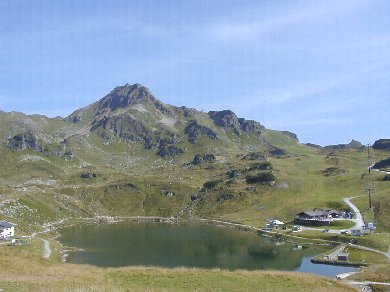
<point x="88" y="175"/>
<point x="201" y="158"/>
<point x="278" y="152"/>
<point x="233" y="173"/>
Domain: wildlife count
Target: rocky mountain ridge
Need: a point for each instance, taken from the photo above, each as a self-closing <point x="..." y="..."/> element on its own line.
<point x="132" y="114"/>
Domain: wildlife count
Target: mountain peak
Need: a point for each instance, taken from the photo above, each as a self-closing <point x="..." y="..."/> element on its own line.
<point x="123" y="96"/>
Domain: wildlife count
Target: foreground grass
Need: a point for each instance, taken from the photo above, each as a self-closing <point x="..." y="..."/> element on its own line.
<point x="23" y="269"/>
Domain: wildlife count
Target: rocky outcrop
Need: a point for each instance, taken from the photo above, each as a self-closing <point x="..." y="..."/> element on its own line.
<point x="187" y="112"/>
<point x="382" y="164"/>
<point x="266" y="178"/>
<point x="26" y="140"/>
<point x="352" y="145"/>
<point x="251" y="126"/>
<point x="291" y="135"/>
<point x="201" y="158"/>
<point x="228" y="120"/>
<point x="88" y="175"/>
<point x="382" y="144"/>
<point x="255" y="156"/>
<point x="233" y="173"/>
<point x="194" y="131"/>
<point x="124" y="127"/>
<point x="225" y="119"/>
<point x="169" y="150"/>
<point x="278" y="152"/>
<point x="261" y="166"/>
<point x="123" y="96"/>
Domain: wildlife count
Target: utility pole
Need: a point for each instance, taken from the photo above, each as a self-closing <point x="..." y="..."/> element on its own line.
<point x="369" y="185"/>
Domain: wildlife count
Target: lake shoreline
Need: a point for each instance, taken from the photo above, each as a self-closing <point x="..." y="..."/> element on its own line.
<point x="293" y="239"/>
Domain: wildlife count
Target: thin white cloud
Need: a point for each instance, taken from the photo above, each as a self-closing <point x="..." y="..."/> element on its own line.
<point x="229" y="29"/>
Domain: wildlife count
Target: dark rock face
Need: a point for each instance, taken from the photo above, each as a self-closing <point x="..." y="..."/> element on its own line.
<point x="278" y="152"/>
<point x="201" y="158"/>
<point x="255" y="156"/>
<point x="69" y="155"/>
<point x="75" y="119"/>
<point x="194" y="198"/>
<point x="88" y="175"/>
<point x="124" y="127"/>
<point x="194" y="131"/>
<point x="352" y="145"/>
<point x="169" y="150"/>
<point x="382" y="144"/>
<point x="24" y="141"/>
<point x="225" y="119"/>
<point x="233" y="173"/>
<point x="266" y="178"/>
<point x="251" y="126"/>
<point x="382" y="164"/>
<point x="228" y="120"/>
<point x="293" y="136"/>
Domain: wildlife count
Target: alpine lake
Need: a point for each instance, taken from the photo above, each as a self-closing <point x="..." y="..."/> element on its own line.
<point x="188" y="245"/>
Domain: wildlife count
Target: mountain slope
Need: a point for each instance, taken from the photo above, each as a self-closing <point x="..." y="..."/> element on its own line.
<point x="131" y="154"/>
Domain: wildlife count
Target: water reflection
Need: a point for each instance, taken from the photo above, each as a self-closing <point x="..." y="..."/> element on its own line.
<point x="124" y="244"/>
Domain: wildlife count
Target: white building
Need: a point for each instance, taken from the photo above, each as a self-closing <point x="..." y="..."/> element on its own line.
<point x="276" y="224"/>
<point x="7" y="230"/>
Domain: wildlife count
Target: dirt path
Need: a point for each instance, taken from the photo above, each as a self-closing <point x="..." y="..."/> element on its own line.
<point x="46" y="249"/>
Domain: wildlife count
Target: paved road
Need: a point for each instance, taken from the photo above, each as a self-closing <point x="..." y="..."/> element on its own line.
<point x="368" y="283"/>
<point x="359" y="222"/>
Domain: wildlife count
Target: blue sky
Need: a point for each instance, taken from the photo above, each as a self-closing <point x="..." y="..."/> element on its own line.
<point x="318" y="68"/>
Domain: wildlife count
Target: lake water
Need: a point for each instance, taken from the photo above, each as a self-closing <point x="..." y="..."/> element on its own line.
<point x="189" y="245"/>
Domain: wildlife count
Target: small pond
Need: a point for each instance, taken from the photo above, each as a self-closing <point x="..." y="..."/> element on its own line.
<point x="189" y="245"/>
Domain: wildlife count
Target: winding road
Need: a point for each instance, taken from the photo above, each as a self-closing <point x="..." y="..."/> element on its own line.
<point x="359" y="222"/>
